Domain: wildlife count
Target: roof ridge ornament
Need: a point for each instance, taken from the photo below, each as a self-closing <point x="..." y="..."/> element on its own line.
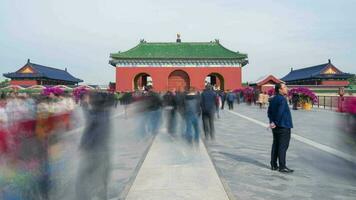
<point x="142" y="41"/>
<point x="28" y="60"/>
<point x="178" y="38"/>
<point x="217" y="41"/>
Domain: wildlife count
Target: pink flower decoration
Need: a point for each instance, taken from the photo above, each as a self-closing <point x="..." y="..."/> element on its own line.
<point x="304" y="93"/>
<point x="54" y="90"/>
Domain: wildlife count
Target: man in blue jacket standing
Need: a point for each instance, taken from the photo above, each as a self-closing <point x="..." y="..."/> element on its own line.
<point x="280" y="120"/>
<point x="208" y="107"/>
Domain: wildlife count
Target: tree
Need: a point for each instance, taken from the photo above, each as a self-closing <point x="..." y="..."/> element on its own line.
<point x="352" y="80"/>
<point x="4" y="83"/>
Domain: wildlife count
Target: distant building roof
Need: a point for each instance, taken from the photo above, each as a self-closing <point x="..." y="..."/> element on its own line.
<point x="179" y="51"/>
<point x="323" y="71"/>
<point x="32" y="70"/>
<point x="266" y="79"/>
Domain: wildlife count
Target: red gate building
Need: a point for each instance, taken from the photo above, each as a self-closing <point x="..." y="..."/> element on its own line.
<point x="178" y="65"/>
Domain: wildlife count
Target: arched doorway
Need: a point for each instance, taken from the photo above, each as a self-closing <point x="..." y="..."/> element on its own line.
<point x="216" y="80"/>
<point x="142" y="80"/>
<point x="178" y="80"/>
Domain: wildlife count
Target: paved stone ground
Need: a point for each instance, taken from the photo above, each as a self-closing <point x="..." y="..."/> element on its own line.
<point x="176" y="170"/>
<point x="127" y="146"/>
<point x="241" y="154"/>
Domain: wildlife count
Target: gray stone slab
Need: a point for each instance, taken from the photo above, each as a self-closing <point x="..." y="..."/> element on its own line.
<point x="241" y="154"/>
<point x="176" y="170"/>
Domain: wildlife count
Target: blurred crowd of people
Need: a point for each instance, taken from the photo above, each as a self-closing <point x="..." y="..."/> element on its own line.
<point x="32" y="129"/>
<point x="184" y="108"/>
<point x="29" y="125"/>
<point x="179" y="107"/>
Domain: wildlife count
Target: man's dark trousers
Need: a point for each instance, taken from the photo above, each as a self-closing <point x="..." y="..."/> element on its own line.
<point x="208" y="124"/>
<point x="281" y="138"/>
<point x="231" y="105"/>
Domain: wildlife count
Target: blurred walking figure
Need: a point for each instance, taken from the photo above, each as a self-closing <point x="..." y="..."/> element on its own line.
<point x="256" y="94"/>
<point x="117" y="98"/>
<point x="180" y="108"/>
<point x="208" y="106"/>
<point x="222" y="95"/>
<point x="170" y="105"/>
<point x="265" y="99"/>
<point x="126" y="99"/>
<point x="192" y="112"/>
<point x="218" y="105"/>
<point x="230" y="97"/>
<point x="3" y="126"/>
<point x="280" y="120"/>
<point x="295" y="99"/>
<point x="262" y="99"/>
<point x="348" y="120"/>
<point x="153" y="105"/>
<point x="94" y="166"/>
<point x="239" y="96"/>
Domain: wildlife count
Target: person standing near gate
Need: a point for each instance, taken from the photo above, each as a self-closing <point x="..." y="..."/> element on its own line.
<point x="280" y="120"/>
<point x="208" y="107"/>
<point x="295" y="99"/>
<point x="170" y="106"/>
<point x="230" y="97"/>
<point x="192" y="112"/>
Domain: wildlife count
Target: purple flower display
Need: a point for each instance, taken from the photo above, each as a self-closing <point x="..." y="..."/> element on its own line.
<point x="54" y="90"/>
<point x="304" y="93"/>
<point x="350" y="105"/>
<point x="237" y="90"/>
<point x="79" y="92"/>
<point x="270" y="92"/>
<point x="248" y="90"/>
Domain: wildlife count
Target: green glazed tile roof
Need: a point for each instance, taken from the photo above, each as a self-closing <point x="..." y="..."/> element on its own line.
<point x="183" y="50"/>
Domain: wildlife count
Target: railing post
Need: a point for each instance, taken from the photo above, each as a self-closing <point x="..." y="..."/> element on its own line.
<point x="331" y="103"/>
<point x="324" y="102"/>
<point x="318" y="101"/>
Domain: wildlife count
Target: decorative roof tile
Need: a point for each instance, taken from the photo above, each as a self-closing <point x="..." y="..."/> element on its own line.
<point x="181" y="51"/>
<point x="317" y="71"/>
<point x="41" y="71"/>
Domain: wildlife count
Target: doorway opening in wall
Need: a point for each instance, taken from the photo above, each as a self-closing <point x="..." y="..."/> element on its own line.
<point x="216" y="80"/>
<point x="142" y="80"/>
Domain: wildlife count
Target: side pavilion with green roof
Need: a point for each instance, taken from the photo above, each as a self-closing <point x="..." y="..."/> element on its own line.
<point x="178" y="65"/>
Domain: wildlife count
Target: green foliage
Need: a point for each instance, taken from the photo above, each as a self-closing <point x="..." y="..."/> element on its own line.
<point x="4" y="83"/>
<point x="245" y="84"/>
<point x="352" y="81"/>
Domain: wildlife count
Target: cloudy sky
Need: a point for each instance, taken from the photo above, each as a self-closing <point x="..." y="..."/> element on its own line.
<point x="80" y="34"/>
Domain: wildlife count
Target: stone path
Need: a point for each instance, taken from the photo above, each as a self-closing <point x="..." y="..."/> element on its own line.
<point x="175" y="170"/>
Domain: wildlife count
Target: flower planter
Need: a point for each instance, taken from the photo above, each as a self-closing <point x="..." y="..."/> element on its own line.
<point x="307" y="106"/>
<point x="305" y="96"/>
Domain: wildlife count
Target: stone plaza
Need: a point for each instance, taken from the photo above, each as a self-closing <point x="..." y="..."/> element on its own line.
<point x="234" y="166"/>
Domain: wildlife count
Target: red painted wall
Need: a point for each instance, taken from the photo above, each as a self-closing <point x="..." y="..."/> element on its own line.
<point x="23" y="82"/>
<point x="125" y="76"/>
<point x="340" y="83"/>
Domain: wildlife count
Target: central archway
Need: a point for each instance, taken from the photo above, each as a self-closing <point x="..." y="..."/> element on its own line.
<point x="142" y="80"/>
<point x="178" y="80"/>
